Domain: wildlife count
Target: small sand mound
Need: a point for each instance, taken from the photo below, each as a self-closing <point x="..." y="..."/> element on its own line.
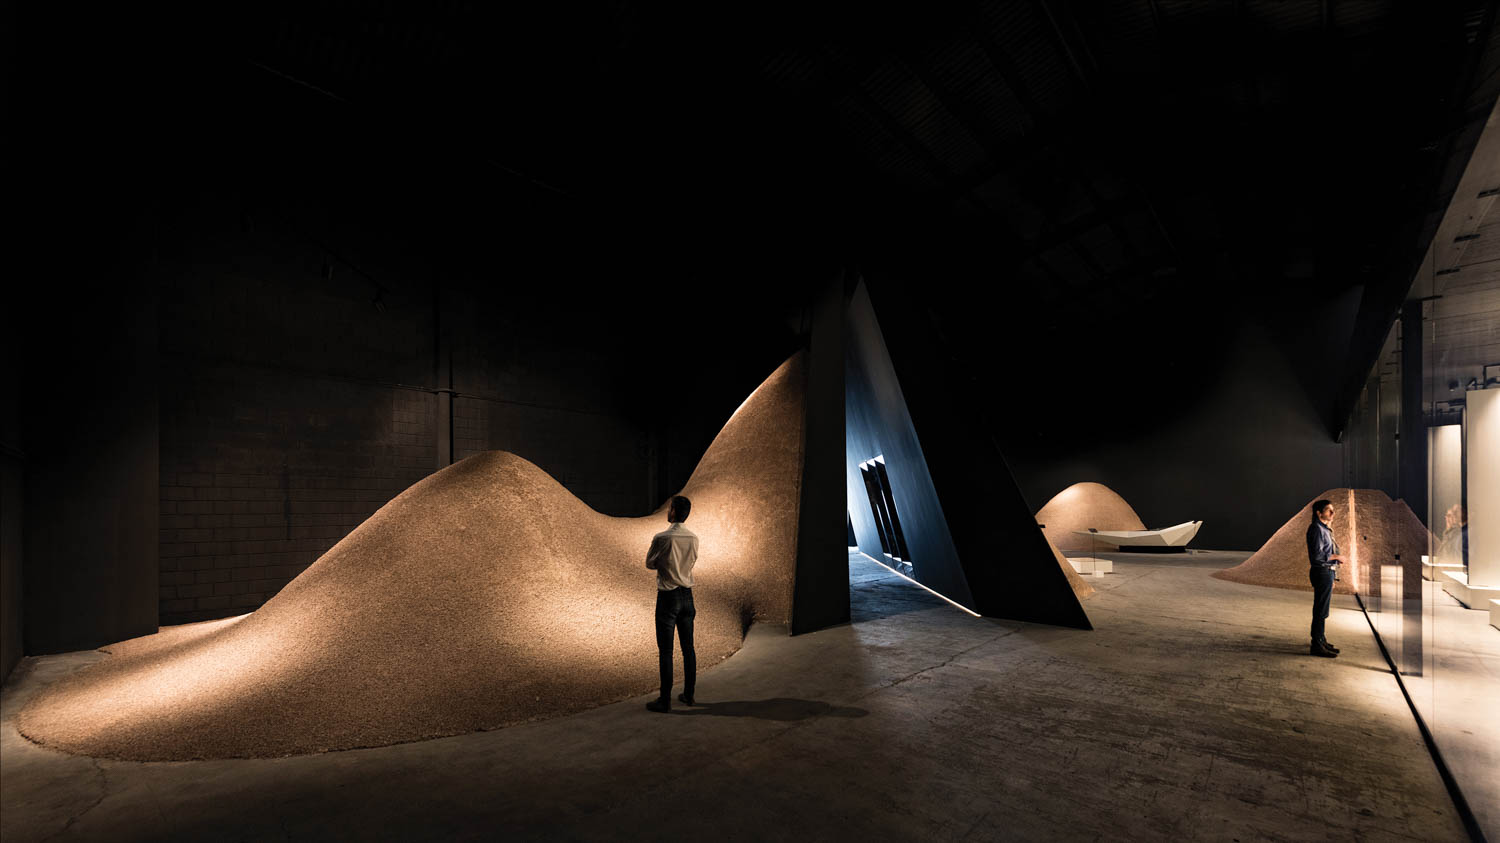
<point x="1385" y="528"/>
<point x="482" y="596"/>
<point x="1080" y="507"/>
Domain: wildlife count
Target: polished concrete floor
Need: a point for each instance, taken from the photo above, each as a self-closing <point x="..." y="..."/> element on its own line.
<point x="1192" y="711"/>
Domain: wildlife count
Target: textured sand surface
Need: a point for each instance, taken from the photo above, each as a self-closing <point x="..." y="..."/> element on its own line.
<point x="1080" y="507"/>
<point x="1080" y="586"/>
<point x="1385" y="528"/>
<point x="484" y="595"/>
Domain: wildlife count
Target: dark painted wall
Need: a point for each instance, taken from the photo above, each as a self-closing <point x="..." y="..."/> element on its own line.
<point x="1242" y="454"/>
<point x="80" y="310"/>
<point x="11" y="465"/>
<point x="89" y="544"/>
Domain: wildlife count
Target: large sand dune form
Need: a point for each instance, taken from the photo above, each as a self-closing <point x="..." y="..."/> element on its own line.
<point x="482" y="596"/>
<point x="1370" y="528"/>
<point x="1082" y="506"/>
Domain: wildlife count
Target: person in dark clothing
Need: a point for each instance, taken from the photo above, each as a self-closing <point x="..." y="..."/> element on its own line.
<point x="1323" y="558"/>
<point x="672" y="555"/>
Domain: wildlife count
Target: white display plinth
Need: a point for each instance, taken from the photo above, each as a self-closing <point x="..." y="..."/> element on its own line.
<point x="1482" y="459"/>
<point x="1091" y="565"/>
<point x="1445" y="463"/>
<point x="1434" y="570"/>
<point x="1472" y="596"/>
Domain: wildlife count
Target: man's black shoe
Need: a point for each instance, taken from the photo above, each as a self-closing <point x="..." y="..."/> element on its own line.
<point x="1317" y="649"/>
<point x="685" y="699"/>
<point x="661" y="705"/>
<point x="1329" y="647"/>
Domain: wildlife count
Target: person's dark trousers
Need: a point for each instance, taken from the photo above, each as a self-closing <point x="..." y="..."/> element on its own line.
<point x="675" y="610"/>
<point x="1322" y="583"/>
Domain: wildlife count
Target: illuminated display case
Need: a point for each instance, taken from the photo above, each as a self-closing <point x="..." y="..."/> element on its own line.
<point x="1426" y="430"/>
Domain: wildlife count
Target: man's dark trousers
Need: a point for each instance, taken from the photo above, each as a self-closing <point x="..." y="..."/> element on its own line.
<point x="674" y="610"/>
<point x="1321" y="577"/>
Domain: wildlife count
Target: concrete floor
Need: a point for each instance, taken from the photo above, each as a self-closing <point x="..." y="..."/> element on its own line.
<point x="1191" y="712"/>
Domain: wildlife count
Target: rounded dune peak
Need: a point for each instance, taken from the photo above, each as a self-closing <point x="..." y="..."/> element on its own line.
<point x="1082" y="506"/>
<point x="484" y="595"/>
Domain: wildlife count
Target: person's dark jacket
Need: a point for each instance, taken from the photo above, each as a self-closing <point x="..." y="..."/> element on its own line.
<point x="1320" y="545"/>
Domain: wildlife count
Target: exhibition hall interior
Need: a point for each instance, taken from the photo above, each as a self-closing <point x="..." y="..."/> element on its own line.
<point x="1040" y="420"/>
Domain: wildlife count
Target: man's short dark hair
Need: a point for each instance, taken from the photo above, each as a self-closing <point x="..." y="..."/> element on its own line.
<point x="1319" y="505"/>
<point x="680" y="508"/>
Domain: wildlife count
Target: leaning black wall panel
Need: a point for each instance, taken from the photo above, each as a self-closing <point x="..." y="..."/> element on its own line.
<point x="1001" y="556"/>
<point x="878" y="423"/>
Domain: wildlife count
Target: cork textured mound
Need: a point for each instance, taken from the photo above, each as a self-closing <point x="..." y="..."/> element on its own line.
<point x="1080" y="507"/>
<point x="1370" y="528"/>
<point x="484" y="595"/>
<point x="1081" y="589"/>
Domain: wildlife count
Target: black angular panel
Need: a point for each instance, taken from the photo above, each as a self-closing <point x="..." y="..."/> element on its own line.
<point x="965" y="528"/>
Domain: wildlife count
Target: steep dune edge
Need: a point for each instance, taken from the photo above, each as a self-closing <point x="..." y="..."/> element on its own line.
<point x="484" y="595"/>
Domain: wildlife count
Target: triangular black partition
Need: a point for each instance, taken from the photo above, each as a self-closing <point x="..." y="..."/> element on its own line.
<point x="969" y="532"/>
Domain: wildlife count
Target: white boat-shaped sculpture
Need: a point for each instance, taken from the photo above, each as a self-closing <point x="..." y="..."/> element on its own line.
<point x="1166" y="539"/>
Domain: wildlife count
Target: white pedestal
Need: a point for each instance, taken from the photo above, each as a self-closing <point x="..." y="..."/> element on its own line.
<point x="1091" y="565"/>
<point x="1482" y="477"/>
<point x="1457" y="584"/>
<point x="1434" y="570"/>
<point x="1446" y="462"/>
<point x="1495" y="613"/>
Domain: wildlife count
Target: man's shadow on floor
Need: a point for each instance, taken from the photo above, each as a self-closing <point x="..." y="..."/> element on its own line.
<point x="777" y="708"/>
<point x="1299" y="651"/>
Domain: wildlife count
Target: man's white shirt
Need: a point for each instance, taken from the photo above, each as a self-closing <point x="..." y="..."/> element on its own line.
<point x="673" y="553"/>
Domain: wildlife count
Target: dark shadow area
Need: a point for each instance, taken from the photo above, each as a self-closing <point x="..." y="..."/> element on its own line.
<point x="784" y="709"/>
<point x="876" y="592"/>
<point x="1255" y="648"/>
<point x="1277" y="648"/>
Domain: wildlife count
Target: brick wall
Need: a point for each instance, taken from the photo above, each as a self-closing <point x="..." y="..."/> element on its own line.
<point x="263" y="472"/>
<point x="547" y="391"/>
<point x="599" y="458"/>
<point x="292" y="407"/>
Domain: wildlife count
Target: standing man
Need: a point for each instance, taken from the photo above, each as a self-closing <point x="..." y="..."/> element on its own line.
<point x="1323" y="557"/>
<point x="673" y="553"/>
